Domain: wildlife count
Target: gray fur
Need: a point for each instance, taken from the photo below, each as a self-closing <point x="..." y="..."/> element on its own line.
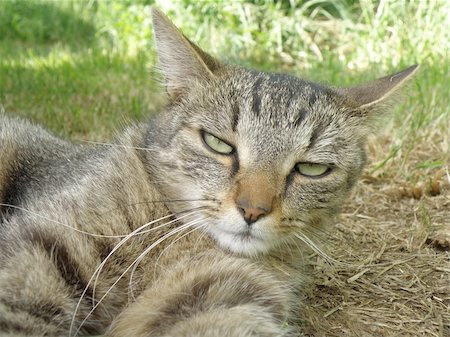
<point x="63" y="203"/>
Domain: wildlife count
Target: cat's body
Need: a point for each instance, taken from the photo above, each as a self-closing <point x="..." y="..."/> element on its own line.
<point x="237" y="172"/>
<point x="53" y="264"/>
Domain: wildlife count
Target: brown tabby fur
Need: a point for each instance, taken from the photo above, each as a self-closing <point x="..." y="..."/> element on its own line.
<point x="65" y="208"/>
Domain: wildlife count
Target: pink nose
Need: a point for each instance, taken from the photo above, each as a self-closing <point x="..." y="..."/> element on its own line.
<point x="252" y="214"/>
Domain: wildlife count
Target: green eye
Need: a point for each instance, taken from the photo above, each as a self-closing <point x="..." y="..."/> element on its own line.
<point x="312" y="169"/>
<point x="216" y="144"/>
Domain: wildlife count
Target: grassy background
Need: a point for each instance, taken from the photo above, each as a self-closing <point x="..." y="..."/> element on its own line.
<point x="83" y="68"/>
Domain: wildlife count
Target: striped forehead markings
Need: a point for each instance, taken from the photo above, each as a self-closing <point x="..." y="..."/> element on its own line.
<point x="256" y="98"/>
<point x="235" y="116"/>
<point x="312" y="99"/>
<point x="302" y="113"/>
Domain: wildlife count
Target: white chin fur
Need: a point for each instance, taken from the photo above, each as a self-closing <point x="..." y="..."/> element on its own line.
<point x="231" y="233"/>
<point x="241" y="244"/>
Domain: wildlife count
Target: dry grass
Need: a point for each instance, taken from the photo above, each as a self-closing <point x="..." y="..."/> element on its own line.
<point x="392" y="280"/>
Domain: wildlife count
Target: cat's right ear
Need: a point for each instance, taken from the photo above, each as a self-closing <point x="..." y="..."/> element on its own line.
<point x="181" y="61"/>
<point x="372" y="93"/>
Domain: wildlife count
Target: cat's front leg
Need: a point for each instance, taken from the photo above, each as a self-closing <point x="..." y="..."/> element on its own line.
<point x="209" y="295"/>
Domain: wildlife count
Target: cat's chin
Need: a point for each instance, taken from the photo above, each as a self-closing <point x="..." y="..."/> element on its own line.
<point x="244" y="243"/>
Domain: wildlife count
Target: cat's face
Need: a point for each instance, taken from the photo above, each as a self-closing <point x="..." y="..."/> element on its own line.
<point x="270" y="156"/>
<point x="264" y="159"/>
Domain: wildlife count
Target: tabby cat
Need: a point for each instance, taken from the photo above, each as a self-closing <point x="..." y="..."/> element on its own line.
<point x="192" y="224"/>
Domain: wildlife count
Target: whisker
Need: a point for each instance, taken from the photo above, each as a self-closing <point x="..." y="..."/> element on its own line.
<point x="318" y="235"/>
<point x="203" y="234"/>
<point x="137" y="262"/>
<point x="172" y="232"/>
<point x="165" y="201"/>
<point x="315" y="248"/>
<point x="99" y="268"/>
<point x="201" y="208"/>
<point x="200" y="238"/>
<point x="119" y="236"/>
<point x="63" y="224"/>
<point x="129" y="236"/>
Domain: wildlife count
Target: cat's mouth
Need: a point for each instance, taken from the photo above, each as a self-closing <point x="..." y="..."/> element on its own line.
<point x="245" y="234"/>
<point x="247" y="241"/>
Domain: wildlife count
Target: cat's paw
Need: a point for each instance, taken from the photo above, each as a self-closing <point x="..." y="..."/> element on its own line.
<point x="244" y="321"/>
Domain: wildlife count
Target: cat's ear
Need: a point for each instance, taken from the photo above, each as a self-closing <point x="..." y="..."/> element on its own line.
<point x="181" y="60"/>
<point x="372" y="93"/>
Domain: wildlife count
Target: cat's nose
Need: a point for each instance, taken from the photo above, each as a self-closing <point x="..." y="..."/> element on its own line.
<point x="255" y="195"/>
<point x="252" y="214"/>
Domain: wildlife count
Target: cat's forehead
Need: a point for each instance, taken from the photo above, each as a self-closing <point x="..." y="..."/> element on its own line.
<point x="274" y="114"/>
<point x="284" y="86"/>
<point x="248" y="98"/>
<point x="282" y="106"/>
<point x="279" y="99"/>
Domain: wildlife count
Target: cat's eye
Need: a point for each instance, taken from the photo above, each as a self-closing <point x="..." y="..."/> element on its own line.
<point x="216" y="144"/>
<point x="313" y="170"/>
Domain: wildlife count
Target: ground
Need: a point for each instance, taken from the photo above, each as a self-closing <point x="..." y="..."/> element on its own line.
<point x="393" y="276"/>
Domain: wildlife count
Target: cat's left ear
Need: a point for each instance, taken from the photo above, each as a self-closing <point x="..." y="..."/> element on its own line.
<point x="181" y="61"/>
<point x="372" y="93"/>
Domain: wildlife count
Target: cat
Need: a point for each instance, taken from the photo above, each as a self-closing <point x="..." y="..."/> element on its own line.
<point x="192" y="224"/>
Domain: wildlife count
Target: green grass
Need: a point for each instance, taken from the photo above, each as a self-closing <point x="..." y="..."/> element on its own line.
<point x="84" y="67"/>
<point x="77" y="94"/>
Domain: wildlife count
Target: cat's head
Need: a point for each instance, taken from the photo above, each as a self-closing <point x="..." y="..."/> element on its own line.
<point x="265" y="158"/>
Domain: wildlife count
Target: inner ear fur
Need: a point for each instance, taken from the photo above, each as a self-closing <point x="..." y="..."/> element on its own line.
<point x="372" y="93"/>
<point x="181" y="61"/>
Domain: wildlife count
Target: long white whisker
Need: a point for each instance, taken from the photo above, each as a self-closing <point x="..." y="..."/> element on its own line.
<point x="165" y="201"/>
<point x="122" y="242"/>
<point x="174" y="231"/>
<point x="200" y="238"/>
<point x="138" y="260"/>
<point x="171" y="233"/>
<point x="63" y="224"/>
<point x="203" y="234"/>
<point x="120" y="236"/>
<point x="99" y="268"/>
